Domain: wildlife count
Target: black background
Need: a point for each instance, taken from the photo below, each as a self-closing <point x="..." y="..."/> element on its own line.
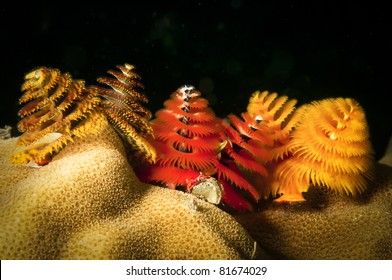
<point x="227" y="49"/>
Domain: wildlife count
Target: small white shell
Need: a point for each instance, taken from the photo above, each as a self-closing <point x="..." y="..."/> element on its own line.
<point x="208" y="189"/>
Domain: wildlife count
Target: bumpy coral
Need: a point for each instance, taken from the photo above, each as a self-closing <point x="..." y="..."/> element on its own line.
<point x="328" y="225"/>
<point x="88" y="204"/>
<point x="330" y="147"/>
<point x="54" y="103"/>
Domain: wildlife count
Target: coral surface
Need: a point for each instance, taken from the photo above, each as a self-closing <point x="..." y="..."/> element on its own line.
<point x="88" y="204"/>
<point x="328" y="225"/>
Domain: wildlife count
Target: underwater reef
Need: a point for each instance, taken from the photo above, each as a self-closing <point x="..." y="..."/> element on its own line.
<point x="87" y="203"/>
<point x="95" y="176"/>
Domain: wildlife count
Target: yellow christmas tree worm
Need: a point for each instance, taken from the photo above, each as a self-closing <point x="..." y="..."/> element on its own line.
<point x="325" y="143"/>
<point x="330" y="147"/>
<point x="56" y="103"/>
<point x="122" y="106"/>
<point x="274" y="116"/>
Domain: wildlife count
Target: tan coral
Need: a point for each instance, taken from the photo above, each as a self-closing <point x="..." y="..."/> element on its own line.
<point x="328" y="225"/>
<point x="88" y="204"/>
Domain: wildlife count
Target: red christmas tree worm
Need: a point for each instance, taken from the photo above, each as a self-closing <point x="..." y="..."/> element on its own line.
<point x="191" y="144"/>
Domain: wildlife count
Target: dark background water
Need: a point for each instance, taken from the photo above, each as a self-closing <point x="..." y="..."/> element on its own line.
<point x="227" y="49"/>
